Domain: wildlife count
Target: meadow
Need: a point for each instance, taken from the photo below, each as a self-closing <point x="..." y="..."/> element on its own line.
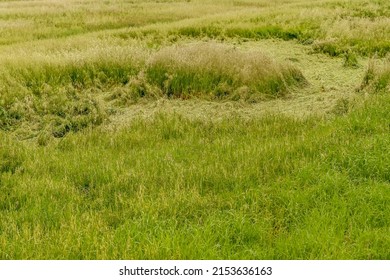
<point x="198" y="129"/>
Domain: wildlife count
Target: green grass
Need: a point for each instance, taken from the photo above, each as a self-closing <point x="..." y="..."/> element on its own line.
<point x="169" y="187"/>
<point x="194" y="129"/>
<point x="58" y="93"/>
<point x="219" y="72"/>
<point x="331" y="27"/>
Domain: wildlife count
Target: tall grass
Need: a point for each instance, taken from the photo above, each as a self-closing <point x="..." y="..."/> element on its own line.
<point x="63" y="92"/>
<point x="217" y="71"/>
<point x="58" y="92"/>
<point x="172" y="188"/>
<point x="377" y="77"/>
<point x="38" y="20"/>
<point x="331" y="27"/>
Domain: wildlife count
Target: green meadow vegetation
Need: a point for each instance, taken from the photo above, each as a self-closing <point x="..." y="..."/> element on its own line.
<point x="197" y="129"/>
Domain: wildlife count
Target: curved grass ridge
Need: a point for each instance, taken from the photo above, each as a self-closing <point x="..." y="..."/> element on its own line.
<point x="200" y="69"/>
<point x="215" y="71"/>
<point x="62" y="92"/>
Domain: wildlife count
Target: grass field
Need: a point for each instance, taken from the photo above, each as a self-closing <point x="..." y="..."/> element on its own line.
<point x="195" y="129"/>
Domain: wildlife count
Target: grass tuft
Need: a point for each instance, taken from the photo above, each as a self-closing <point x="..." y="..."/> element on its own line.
<point x="214" y="71"/>
<point x="377" y="78"/>
<point x="350" y="60"/>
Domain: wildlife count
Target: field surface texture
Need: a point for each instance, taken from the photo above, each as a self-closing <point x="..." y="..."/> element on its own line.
<point x="197" y="129"/>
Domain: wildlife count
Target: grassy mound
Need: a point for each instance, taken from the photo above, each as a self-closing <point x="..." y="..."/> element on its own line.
<point x="216" y="71"/>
